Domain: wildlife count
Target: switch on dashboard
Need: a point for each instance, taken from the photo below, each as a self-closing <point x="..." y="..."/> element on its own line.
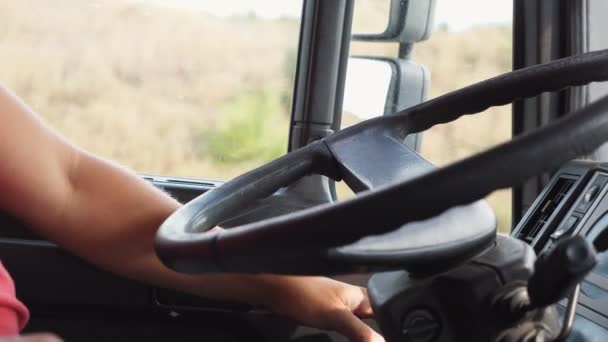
<point x="590" y="195"/>
<point x="566" y="228"/>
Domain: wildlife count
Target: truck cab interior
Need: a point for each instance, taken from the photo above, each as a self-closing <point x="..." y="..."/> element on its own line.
<point x="439" y="262"/>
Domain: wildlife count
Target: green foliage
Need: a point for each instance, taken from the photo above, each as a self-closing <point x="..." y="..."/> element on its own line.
<point x="251" y="129"/>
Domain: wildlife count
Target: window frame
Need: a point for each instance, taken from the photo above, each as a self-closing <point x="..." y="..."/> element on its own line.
<point x="321" y="70"/>
<point x="544" y="31"/>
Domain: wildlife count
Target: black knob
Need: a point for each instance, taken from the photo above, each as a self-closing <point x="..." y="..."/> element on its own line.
<point x="559" y="270"/>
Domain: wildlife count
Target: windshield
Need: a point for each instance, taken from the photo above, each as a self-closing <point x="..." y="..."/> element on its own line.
<point x="189" y="88"/>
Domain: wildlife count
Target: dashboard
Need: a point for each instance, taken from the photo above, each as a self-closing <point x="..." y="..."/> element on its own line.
<point x="575" y="202"/>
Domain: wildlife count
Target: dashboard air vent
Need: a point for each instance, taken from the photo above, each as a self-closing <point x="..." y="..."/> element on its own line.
<point x="545" y="209"/>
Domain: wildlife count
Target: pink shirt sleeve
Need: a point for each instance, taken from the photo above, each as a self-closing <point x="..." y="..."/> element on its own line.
<point x="13" y="314"/>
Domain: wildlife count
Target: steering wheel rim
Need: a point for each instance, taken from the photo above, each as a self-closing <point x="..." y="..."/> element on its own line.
<point x="316" y="240"/>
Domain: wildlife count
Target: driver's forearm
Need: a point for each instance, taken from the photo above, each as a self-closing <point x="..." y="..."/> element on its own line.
<point x="111" y="218"/>
<point x="96" y="209"/>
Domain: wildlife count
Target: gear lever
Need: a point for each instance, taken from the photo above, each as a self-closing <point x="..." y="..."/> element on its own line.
<point x="557" y="275"/>
<point x="558" y="271"/>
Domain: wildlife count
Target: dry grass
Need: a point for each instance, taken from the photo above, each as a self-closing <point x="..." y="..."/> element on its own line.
<point x="140" y="84"/>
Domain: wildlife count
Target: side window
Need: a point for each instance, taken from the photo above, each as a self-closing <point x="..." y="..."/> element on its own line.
<point x="188" y="88"/>
<point x="598" y="40"/>
<point x="471" y="40"/>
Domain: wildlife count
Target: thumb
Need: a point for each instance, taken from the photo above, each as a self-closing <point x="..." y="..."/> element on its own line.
<point x="349" y="325"/>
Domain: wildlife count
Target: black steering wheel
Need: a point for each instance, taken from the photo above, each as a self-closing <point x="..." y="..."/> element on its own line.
<point x="408" y="215"/>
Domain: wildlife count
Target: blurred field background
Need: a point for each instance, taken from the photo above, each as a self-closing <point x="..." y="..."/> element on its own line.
<point x="182" y="92"/>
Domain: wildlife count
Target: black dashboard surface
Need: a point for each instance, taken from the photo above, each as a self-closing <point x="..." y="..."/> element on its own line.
<point x="575" y="202"/>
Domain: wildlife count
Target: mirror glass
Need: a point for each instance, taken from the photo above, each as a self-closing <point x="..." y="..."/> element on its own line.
<point x="370" y="16"/>
<point x="367" y="85"/>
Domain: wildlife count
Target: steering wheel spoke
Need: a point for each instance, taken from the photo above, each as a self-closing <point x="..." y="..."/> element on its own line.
<point x="373" y="159"/>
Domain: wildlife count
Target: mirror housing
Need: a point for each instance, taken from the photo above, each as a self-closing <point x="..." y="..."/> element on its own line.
<point x="410" y="21"/>
<point x="397" y="84"/>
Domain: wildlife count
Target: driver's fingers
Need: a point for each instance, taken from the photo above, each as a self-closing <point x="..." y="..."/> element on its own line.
<point x="32" y="338"/>
<point x="364" y="309"/>
<point x="346" y="323"/>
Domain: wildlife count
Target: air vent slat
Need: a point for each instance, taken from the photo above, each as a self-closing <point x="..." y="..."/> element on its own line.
<point x="543" y="212"/>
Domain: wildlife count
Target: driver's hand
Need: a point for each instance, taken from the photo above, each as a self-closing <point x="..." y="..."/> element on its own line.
<point x="326" y="304"/>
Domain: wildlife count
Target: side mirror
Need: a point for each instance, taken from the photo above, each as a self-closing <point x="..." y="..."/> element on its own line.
<point x="383" y="85"/>
<point x="378" y="86"/>
<point x="409" y="21"/>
